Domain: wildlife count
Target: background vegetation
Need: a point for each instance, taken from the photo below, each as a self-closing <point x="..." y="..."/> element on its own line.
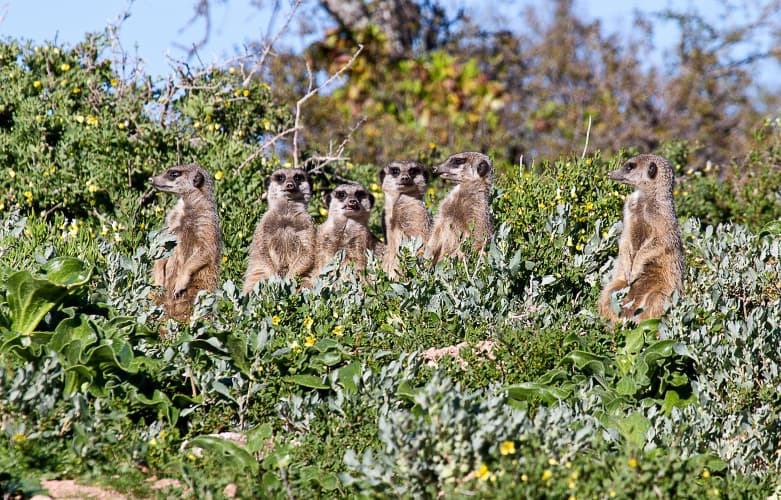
<point x="326" y="390"/>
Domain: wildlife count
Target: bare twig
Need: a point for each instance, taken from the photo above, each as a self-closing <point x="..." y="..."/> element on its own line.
<point x="267" y="48"/>
<point x="588" y="133"/>
<point x="332" y="156"/>
<point x="312" y="91"/>
<point x="262" y="148"/>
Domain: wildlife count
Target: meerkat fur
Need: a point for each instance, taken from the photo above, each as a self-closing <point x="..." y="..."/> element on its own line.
<point x="347" y="227"/>
<point x="284" y="240"/>
<point x="465" y="212"/>
<point x="194" y="263"/>
<point x="650" y="250"/>
<point x="405" y="215"/>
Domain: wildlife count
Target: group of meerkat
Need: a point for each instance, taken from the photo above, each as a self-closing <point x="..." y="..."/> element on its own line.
<point x="287" y="243"/>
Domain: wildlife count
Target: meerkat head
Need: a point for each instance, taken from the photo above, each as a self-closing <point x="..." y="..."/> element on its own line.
<point x="405" y="177"/>
<point x="182" y="180"/>
<point x="467" y="166"/>
<point x="288" y="185"/>
<point x="645" y="172"/>
<point x="350" y="200"/>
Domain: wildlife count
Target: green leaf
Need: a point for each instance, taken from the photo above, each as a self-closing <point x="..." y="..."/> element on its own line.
<point x="67" y="271"/>
<point x="227" y="451"/>
<point x="347" y="374"/>
<point x="30" y="299"/>
<point x="626" y="386"/>
<point x="307" y="381"/>
<point x="546" y="393"/>
<point x="257" y="437"/>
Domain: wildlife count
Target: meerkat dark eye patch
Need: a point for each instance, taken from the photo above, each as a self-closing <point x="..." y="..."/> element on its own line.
<point x="361" y="195"/>
<point x="652" y="169"/>
<point x="414" y="172"/>
<point x="458" y="161"/>
<point x="280" y="178"/>
<point x="630" y="166"/>
<point x="298" y="178"/>
<point x="483" y="168"/>
<point x="395" y="171"/>
<point x="340" y="195"/>
<point x="172" y="174"/>
<point x="198" y="180"/>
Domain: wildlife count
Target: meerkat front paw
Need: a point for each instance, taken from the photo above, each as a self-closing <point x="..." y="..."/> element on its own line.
<point x="179" y="288"/>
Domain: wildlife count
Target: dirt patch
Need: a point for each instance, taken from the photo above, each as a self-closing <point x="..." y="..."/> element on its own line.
<point x="69" y="489"/>
<point x="484" y="347"/>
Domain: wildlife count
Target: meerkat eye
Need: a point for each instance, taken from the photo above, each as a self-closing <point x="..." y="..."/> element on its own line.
<point x="340" y="195"/>
<point x="298" y="178"/>
<point x="361" y="195"/>
<point x="413" y="172"/>
<point x="458" y="161"/>
<point x="173" y="174"/>
<point x="394" y="171"/>
<point x="630" y="166"/>
<point x="280" y="178"/>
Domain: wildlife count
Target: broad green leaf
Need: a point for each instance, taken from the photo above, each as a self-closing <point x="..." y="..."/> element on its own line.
<point x="30" y="299"/>
<point x="307" y="381"/>
<point x="626" y="386"/>
<point x="67" y="271"/>
<point x="347" y="374"/>
<point x="526" y="390"/>
<point x="257" y="437"/>
<point x="227" y="451"/>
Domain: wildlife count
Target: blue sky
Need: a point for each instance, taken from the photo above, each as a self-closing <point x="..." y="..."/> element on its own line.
<point x="156" y="30"/>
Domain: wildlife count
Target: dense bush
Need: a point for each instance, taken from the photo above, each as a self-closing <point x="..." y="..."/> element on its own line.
<point x="328" y="388"/>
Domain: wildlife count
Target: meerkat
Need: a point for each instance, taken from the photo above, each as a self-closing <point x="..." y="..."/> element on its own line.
<point x="194" y="263"/>
<point x="405" y="215"/>
<point x="465" y="211"/>
<point x="284" y="239"/>
<point x="346" y="227"/>
<point x="650" y="250"/>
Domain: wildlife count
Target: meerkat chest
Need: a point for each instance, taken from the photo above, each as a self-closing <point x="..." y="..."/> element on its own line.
<point x="408" y="214"/>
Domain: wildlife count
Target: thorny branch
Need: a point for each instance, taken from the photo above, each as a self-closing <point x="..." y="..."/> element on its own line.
<point x="267" y="48"/>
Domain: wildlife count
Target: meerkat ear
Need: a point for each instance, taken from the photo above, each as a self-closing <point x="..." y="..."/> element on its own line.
<point x="371" y="200"/>
<point x="382" y="176"/>
<point x="652" y="169"/>
<point x="426" y="173"/>
<point x="483" y="168"/>
<point x="198" y="179"/>
<point x="327" y="199"/>
<point x="267" y="182"/>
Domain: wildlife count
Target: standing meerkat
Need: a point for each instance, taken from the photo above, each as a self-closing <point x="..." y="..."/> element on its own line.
<point x="650" y="250"/>
<point x="465" y="211"/>
<point x="284" y="239"/>
<point x="405" y="215"/>
<point x="194" y="263"/>
<point x="347" y="227"/>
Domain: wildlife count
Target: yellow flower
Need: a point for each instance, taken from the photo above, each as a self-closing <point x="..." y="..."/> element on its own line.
<point x="245" y="93"/>
<point x="705" y="474"/>
<point x="231" y="70"/>
<point x="153" y="442"/>
<point x="295" y="347"/>
<point x="113" y="82"/>
<point x="431" y="192"/>
<point x="524" y="477"/>
<point x="92" y="120"/>
<point x="219" y="175"/>
<point x="323" y="212"/>
<point x="65" y="67"/>
<point x="482" y="472"/>
<point x="36" y="84"/>
<point x="547" y="474"/>
<point x="612" y="493"/>
<point x="29" y="196"/>
<point x="76" y="90"/>
<point x="374" y="187"/>
<point x="589" y="206"/>
<point x="507" y="448"/>
<point x="338" y="330"/>
<point x="2" y="205"/>
<point x="120" y="126"/>
<point x="632" y="463"/>
<point x="266" y="123"/>
<point x="191" y="456"/>
<point x="79" y="118"/>
<point x="308" y="322"/>
<point x="431" y="145"/>
<point x="224" y="259"/>
<point x="19" y="438"/>
<point x="275" y="320"/>
<point x="310" y="341"/>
